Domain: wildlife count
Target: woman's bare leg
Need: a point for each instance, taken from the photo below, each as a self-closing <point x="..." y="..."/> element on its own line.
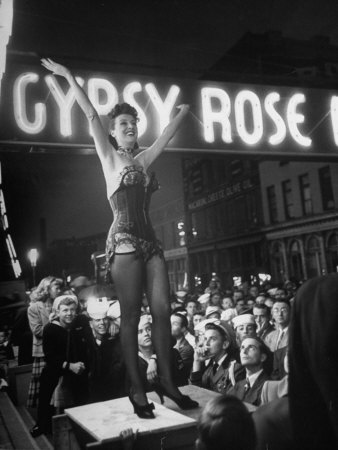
<point x="127" y="273"/>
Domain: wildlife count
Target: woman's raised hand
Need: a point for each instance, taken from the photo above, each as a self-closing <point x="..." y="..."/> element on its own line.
<point x="55" y="68"/>
<point x="184" y="107"/>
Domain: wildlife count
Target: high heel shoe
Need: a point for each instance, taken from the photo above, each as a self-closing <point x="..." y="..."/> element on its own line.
<point x="183" y="401"/>
<point x="143" y="411"/>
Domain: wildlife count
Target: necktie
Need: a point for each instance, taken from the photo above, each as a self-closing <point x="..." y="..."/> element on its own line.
<point x="247" y="385"/>
<point x="214" y="368"/>
<point x="280" y="337"/>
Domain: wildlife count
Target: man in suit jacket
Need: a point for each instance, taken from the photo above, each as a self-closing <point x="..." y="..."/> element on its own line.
<point x="179" y="326"/>
<point x="281" y="316"/>
<point x="279" y="363"/>
<point x="273" y="389"/>
<point x="261" y="314"/>
<point x="255" y="358"/>
<point x="214" y="360"/>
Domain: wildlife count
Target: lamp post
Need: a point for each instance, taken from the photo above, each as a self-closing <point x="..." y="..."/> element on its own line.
<point x="33" y="257"/>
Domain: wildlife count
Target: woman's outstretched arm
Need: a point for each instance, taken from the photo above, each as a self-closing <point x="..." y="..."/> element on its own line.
<point x="150" y="154"/>
<point x="99" y="134"/>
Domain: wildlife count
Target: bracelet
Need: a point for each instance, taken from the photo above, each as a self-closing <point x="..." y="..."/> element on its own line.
<point x="153" y="357"/>
<point x="67" y="365"/>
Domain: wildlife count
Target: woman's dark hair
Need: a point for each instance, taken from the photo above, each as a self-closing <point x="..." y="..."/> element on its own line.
<point x="226" y="424"/>
<point x="120" y="108"/>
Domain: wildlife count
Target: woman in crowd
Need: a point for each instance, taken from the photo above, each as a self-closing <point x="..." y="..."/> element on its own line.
<point x="134" y="255"/>
<point x="38" y="312"/>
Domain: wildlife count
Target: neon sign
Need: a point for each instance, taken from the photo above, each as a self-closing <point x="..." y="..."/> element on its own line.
<point x="225" y="116"/>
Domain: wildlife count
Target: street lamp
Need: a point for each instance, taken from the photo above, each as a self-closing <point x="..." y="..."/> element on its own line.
<point x="33" y="257"/>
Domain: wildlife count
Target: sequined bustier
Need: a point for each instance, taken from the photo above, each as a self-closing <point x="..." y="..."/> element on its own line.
<point x="130" y="206"/>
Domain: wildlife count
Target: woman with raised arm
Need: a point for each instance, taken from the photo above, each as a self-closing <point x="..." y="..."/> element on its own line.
<point x="134" y="255"/>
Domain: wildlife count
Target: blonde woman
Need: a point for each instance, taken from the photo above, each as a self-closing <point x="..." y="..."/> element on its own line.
<point x="41" y="301"/>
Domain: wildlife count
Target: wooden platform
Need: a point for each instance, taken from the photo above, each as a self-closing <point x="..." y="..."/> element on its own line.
<point x="98" y="425"/>
<point x="104" y="421"/>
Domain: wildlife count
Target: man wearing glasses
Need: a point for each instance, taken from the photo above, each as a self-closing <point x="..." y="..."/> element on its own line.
<point x="279" y="338"/>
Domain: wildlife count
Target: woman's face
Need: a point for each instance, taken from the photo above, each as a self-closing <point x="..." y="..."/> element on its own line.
<point x="54" y="290"/>
<point x="125" y="130"/>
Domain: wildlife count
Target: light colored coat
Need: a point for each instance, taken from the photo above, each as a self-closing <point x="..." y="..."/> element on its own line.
<point x="271" y="340"/>
<point x="38" y="316"/>
<point x="273" y="389"/>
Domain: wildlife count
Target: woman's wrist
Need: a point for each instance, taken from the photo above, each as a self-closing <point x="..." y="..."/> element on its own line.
<point x="69" y="76"/>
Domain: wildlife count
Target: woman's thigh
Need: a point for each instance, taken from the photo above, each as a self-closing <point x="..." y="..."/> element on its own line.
<point x="128" y="275"/>
<point x="157" y="282"/>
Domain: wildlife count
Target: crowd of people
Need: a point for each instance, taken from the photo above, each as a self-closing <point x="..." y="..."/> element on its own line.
<point x="234" y="342"/>
<point x="243" y="342"/>
<point x="228" y="341"/>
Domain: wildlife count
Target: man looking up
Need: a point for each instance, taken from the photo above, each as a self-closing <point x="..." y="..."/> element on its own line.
<point x="256" y="359"/>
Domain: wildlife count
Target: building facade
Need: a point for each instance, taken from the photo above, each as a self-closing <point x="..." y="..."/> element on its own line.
<point x="224" y="219"/>
<point x="300" y="207"/>
<point x="168" y="221"/>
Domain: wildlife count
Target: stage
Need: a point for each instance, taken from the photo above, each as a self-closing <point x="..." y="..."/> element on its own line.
<point x="98" y="425"/>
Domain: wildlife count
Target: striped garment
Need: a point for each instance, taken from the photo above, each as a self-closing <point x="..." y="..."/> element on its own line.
<point x="34" y="386"/>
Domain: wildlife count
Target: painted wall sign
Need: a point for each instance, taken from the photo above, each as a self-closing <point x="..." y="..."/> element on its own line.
<point x="225" y="192"/>
<point x="38" y="108"/>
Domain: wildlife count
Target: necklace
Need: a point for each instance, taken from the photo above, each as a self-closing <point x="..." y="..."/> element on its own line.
<point x="126" y="152"/>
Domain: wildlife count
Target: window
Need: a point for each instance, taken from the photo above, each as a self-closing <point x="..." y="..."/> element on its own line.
<point x="326" y="188"/>
<point x="332" y="253"/>
<point x="296" y="268"/>
<point x="313" y="258"/>
<point x="272" y="204"/>
<point x="236" y="168"/>
<point x="278" y="265"/>
<point x="181" y="233"/>
<point x="288" y="199"/>
<point x="305" y="192"/>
